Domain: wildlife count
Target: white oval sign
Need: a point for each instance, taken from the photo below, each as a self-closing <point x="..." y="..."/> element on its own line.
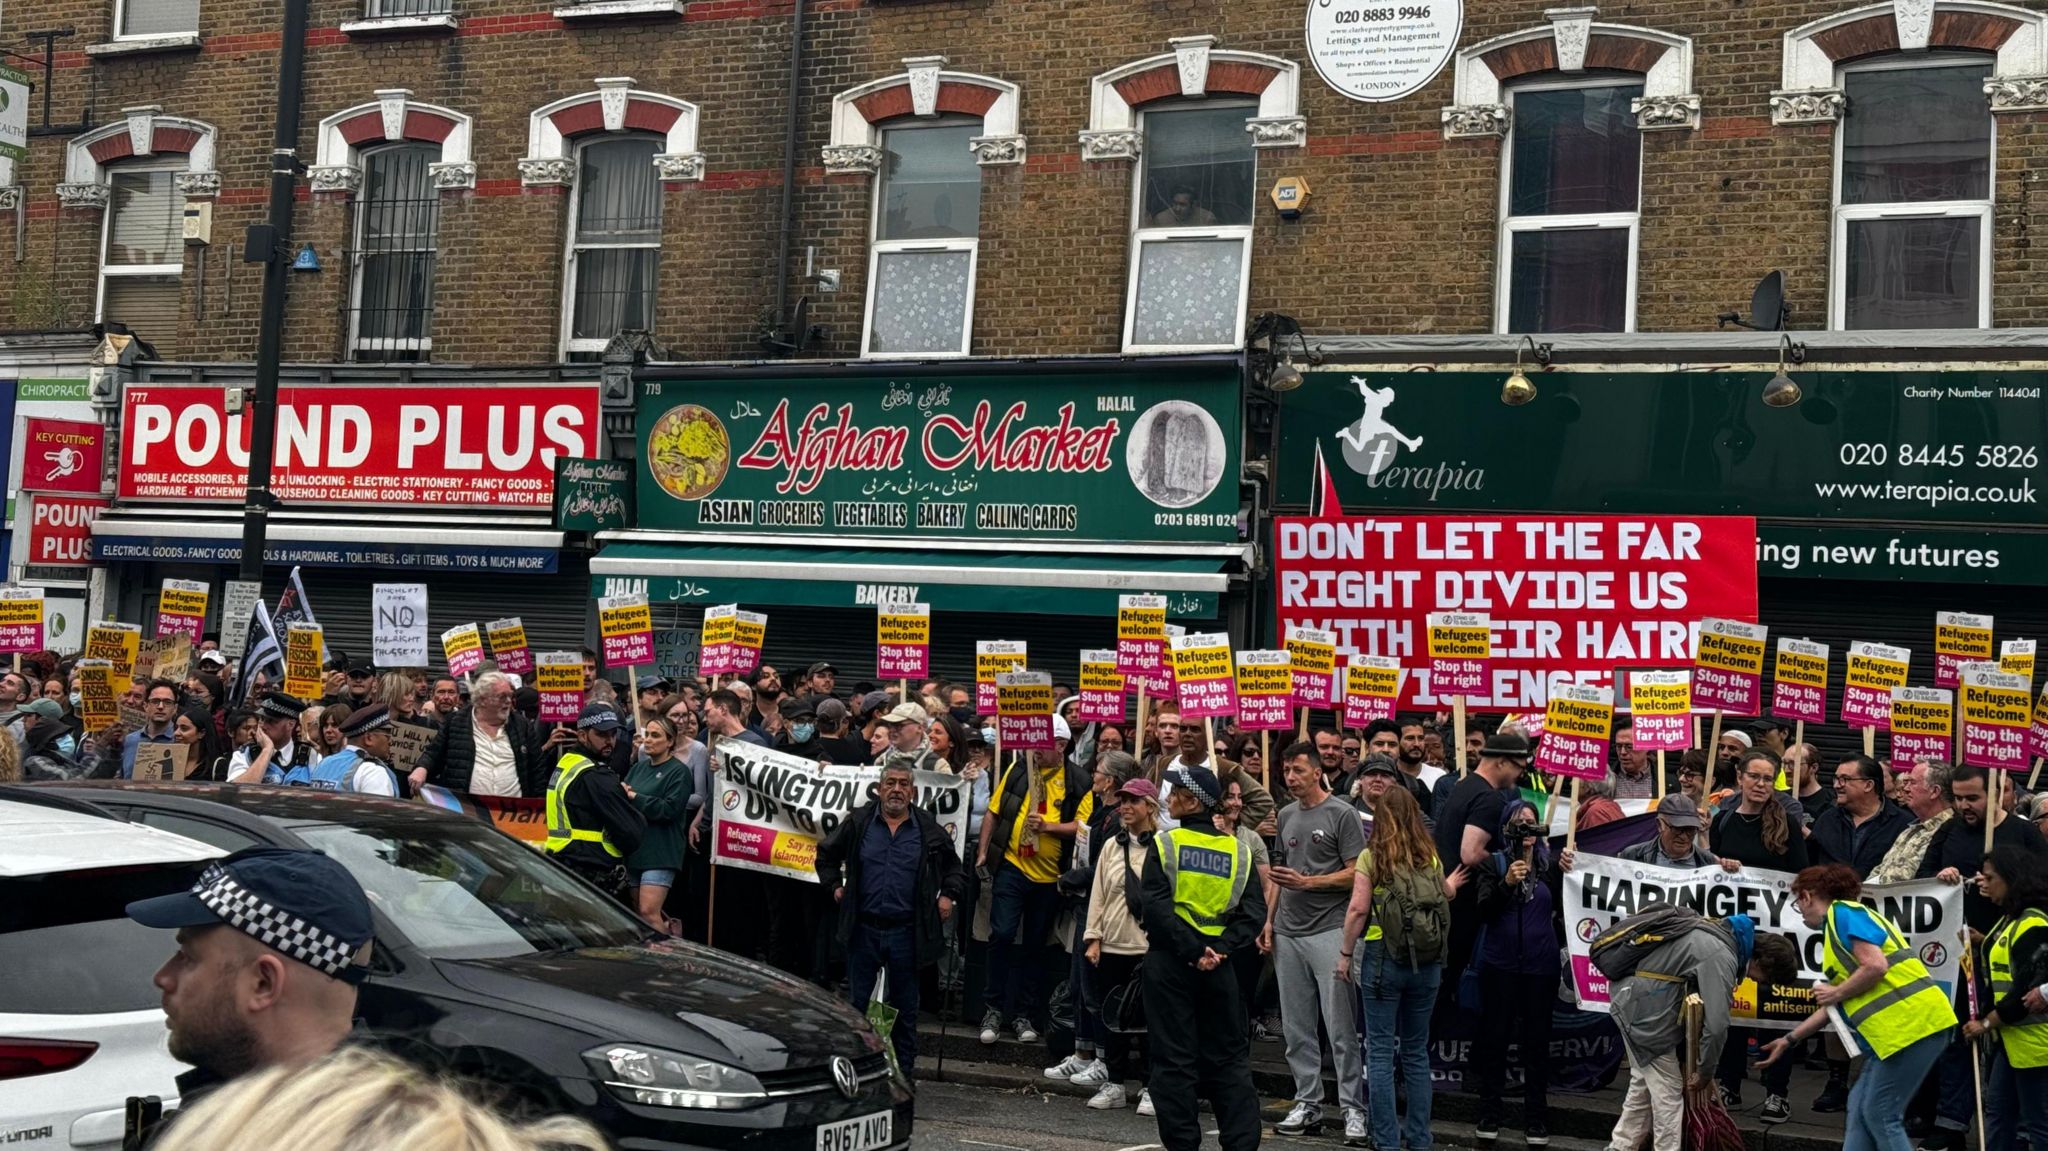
<point x="1381" y="50"/>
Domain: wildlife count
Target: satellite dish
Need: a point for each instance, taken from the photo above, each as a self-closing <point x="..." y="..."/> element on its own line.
<point x="1767" y="311"/>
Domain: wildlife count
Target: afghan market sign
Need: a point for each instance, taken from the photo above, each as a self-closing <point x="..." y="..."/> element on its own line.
<point x="447" y="445"/>
<point x="1139" y="453"/>
<point x="1566" y="599"/>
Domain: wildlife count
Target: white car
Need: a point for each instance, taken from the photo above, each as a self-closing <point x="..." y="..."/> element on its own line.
<point x="81" y="1028"/>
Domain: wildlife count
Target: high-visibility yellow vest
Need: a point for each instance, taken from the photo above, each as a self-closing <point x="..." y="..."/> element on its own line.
<point x="2026" y="1043"/>
<point x="561" y="833"/>
<point x="1904" y="1007"/>
<point x="1208" y="872"/>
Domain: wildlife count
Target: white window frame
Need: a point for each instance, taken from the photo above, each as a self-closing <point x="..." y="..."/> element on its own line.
<point x="177" y="269"/>
<point x="122" y="35"/>
<point x="877" y="248"/>
<point x="571" y="345"/>
<point x="357" y="344"/>
<point x="1838" y="255"/>
<point x="1142" y="235"/>
<point x="1583" y="221"/>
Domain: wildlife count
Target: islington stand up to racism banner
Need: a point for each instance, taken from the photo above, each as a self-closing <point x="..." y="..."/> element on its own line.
<point x="770" y="810"/>
<point x="1569" y="598"/>
<point x="1599" y="892"/>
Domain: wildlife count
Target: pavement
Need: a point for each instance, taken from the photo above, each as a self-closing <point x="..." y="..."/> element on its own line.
<point x="995" y="1098"/>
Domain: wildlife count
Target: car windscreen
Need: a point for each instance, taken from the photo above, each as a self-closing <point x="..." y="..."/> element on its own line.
<point x="460" y="890"/>
<point x="69" y="946"/>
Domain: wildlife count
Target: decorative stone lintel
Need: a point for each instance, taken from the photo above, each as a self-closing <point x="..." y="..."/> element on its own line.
<point x="1571" y="29"/>
<point x="327" y="179"/>
<point x="1191" y="56"/>
<point x="198" y="185"/>
<point x="923" y="72"/>
<point x="612" y="93"/>
<point x="994" y="151"/>
<point x="619" y="9"/>
<point x="2017" y="93"/>
<point x="142" y="128"/>
<point x="1111" y="144"/>
<point x="547" y="172"/>
<point x="93" y="196"/>
<point x="1663" y="113"/>
<point x="391" y="105"/>
<point x="1475" y="121"/>
<point x="1809" y="106"/>
<point x="457" y="176"/>
<point x="10" y="197"/>
<point x="1278" y="131"/>
<point x="677" y="166"/>
<point x="852" y="159"/>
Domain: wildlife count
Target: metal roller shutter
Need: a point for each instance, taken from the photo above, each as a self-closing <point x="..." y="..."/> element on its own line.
<point x="1838" y="613"/>
<point x="798" y="637"/>
<point x="555" y="608"/>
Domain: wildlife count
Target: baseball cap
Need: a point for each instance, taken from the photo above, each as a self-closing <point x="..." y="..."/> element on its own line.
<point x="598" y="717"/>
<point x="654" y="683"/>
<point x="1141" y="788"/>
<point x="820" y="668"/>
<point x="907" y="713"/>
<point x="797" y="707"/>
<point x="1377" y="764"/>
<point x="299" y="903"/>
<point x="213" y="658"/>
<point x="873" y="701"/>
<point x="43" y="709"/>
<point x="361" y="667"/>
<point x="831" y="710"/>
<point x="1679" y="811"/>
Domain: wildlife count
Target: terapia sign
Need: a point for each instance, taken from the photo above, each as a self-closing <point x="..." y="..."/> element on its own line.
<point x="437" y="445"/>
<point x="1566" y="599"/>
<point x="1135" y="453"/>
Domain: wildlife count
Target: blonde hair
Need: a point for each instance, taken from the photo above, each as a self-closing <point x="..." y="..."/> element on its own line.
<point x="356" y="1098"/>
<point x="10" y="758"/>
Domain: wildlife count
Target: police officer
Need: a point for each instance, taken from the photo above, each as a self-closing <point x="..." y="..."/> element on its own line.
<point x="592" y="823"/>
<point x="356" y="767"/>
<point x="276" y="756"/>
<point x="272" y="944"/>
<point x="1202" y="905"/>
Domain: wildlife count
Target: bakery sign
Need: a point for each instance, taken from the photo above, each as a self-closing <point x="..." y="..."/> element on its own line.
<point x="1135" y="453"/>
<point x="422" y="444"/>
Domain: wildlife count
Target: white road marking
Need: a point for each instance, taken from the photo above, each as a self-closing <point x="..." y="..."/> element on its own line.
<point x="1002" y="1146"/>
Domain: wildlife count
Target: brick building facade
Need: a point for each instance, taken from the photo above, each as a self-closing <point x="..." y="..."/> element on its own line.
<point x="1739" y="111"/>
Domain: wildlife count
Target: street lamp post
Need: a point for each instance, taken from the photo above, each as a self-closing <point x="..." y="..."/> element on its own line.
<point x="268" y="244"/>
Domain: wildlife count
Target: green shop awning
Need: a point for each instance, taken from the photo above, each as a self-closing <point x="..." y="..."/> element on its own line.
<point x="1041" y="582"/>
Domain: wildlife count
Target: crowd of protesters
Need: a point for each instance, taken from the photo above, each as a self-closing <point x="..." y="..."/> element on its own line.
<point x="1393" y="883"/>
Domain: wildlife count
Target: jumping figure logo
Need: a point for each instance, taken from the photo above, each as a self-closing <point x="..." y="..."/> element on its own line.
<point x="1369" y="443"/>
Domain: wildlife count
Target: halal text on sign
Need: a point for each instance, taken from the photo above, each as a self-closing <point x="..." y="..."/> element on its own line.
<point x="1135" y="454"/>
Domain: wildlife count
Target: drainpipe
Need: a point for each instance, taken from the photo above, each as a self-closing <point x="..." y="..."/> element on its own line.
<point x="792" y="131"/>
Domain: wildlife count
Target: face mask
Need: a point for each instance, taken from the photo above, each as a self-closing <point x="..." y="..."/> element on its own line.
<point x="963" y="714"/>
<point x="66" y="744"/>
<point x="802" y="732"/>
<point x="988" y="735"/>
<point x="76" y="699"/>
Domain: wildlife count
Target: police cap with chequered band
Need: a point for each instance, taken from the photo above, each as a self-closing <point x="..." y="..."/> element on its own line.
<point x="300" y="904"/>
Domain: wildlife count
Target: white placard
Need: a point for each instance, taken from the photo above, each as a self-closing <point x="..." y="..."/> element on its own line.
<point x="399" y="624"/>
<point x="1382" y="50"/>
<point x="237" y="603"/>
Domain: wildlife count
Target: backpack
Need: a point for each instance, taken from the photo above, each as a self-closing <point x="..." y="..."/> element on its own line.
<point x="1621" y="949"/>
<point x="1416" y="924"/>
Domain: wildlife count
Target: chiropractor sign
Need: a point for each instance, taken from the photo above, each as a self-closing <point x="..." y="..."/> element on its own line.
<point x="347" y="443"/>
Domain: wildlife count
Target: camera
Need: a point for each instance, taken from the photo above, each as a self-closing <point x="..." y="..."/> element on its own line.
<point x="1518" y="835"/>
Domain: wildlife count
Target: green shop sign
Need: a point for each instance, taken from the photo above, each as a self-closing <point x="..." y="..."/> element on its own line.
<point x="1136" y="452"/>
<point x="1947" y="447"/>
<point x="592" y="495"/>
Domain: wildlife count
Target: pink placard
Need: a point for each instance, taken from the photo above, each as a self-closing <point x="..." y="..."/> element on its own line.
<point x="464" y="662"/>
<point x="516" y="660"/>
<point x="560" y="706"/>
<point x="1264" y="713"/>
<point x="1365" y="710"/>
<point x="1101" y="706"/>
<point x="168" y="625"/>
<point x="715" y="659"/>
<point x="1867" y="707"/>
<point x="1025" y="732"/>
<point x="1729" y="692"/>
<point x="22" y="637"/>
<point x="634" y="649"/>
<point x="2000" y="748"/>
<point x="1203" y="698"/>
<point x="1907" y="747"/>
<point x="1449" y="677"/>
<point x="903" y="660"/>
<point x="1135" y="656"/>
<point x="1572" y="756"/>
<point x="1799" y="701"/>
<point x="1662" y="732"/>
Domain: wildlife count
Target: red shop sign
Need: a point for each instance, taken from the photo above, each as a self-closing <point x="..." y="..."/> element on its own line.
<point x="60" y="529"/>
<point x="432" y="445"/>
<point x="62" y="455"/>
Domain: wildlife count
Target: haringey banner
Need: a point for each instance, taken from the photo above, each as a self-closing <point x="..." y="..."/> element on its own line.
<point x="1600" y="891"/>
<point x="444" y="445"/>
<point x="1568" y="599"/>
<point x="769" y="810"/>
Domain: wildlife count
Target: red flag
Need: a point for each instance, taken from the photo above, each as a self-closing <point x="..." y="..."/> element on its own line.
<point x="1322" y="496"/>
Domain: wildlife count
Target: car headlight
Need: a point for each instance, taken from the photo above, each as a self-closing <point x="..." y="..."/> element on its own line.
<point x="659" y="1078"/>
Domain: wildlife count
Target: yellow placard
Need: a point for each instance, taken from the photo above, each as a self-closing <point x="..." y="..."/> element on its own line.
<point x="994" y="657"/>
<point x="1966" y="637"/>
<point x="1460" y="640"/>
<point x="1201" y="657"/>
<point x="1991" y="706"/>
<point x="21" y="608"/>
<point x="182" y="597"/>
<point x="1725" y="652"/>
<point x="1141" y="617"/>
<point x="1875" y="672"/>
<point x="1102" y="676"/>
<point x="1264" y="673"/>
<point x="1923" y="711"/>
<point x="117" y="643"/>
<point x="461" y="641"/>
<point x="1587" y="719"/>
<point x="1029" y="698"/>
<point x="2015" y="656"/>
<point x="302" y="643"/>
<point x="631" y="619"/>
<point x="1803" y="668"/>
<point x="903" y="629"/>
<point x="1310" y="657"/>
<point x="749" y="629"/>
<point x="1653" y="697"/>
<point x="1381" y="681"/>
<point x="100" y="685"/>
<point x="512" y="634"/>
<point x="551" y="673"/>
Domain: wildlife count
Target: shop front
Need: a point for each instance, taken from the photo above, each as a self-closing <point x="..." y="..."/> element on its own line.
<point x="446" y="482"/>
<point x="1898" y="484"/>
<point x="53" y="475"/>
<point x="1017" y="499"/>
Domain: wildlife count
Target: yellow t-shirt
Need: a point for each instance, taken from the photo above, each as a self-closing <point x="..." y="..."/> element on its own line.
<point x="1044" y="866"/>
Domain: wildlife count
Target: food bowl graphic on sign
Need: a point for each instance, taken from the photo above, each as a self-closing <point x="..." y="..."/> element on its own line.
<point x="1176" y="454"/>
<point x="688" y="452"/>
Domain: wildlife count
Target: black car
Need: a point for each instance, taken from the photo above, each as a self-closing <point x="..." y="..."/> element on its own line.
<point x="496" y="965"/>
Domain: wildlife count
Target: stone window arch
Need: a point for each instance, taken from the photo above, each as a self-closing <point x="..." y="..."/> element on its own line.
<point x="1194" y="69"/>
<point x="142" y="132"/>
<point x="615" y="107"/>
<point x="2017" y="39"/>
<point x="393" y="117"/>
<point x="926" y="90"/>
<point x="1573" y="42"/>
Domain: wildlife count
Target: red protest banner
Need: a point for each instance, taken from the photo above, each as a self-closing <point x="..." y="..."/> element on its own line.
<point x="1569" y="599"/>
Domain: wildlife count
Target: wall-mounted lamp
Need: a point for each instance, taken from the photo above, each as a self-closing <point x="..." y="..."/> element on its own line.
<point x="1516" y="390"/>
<point x="1272" y="359"/>
<point x="1782" y="391"/>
